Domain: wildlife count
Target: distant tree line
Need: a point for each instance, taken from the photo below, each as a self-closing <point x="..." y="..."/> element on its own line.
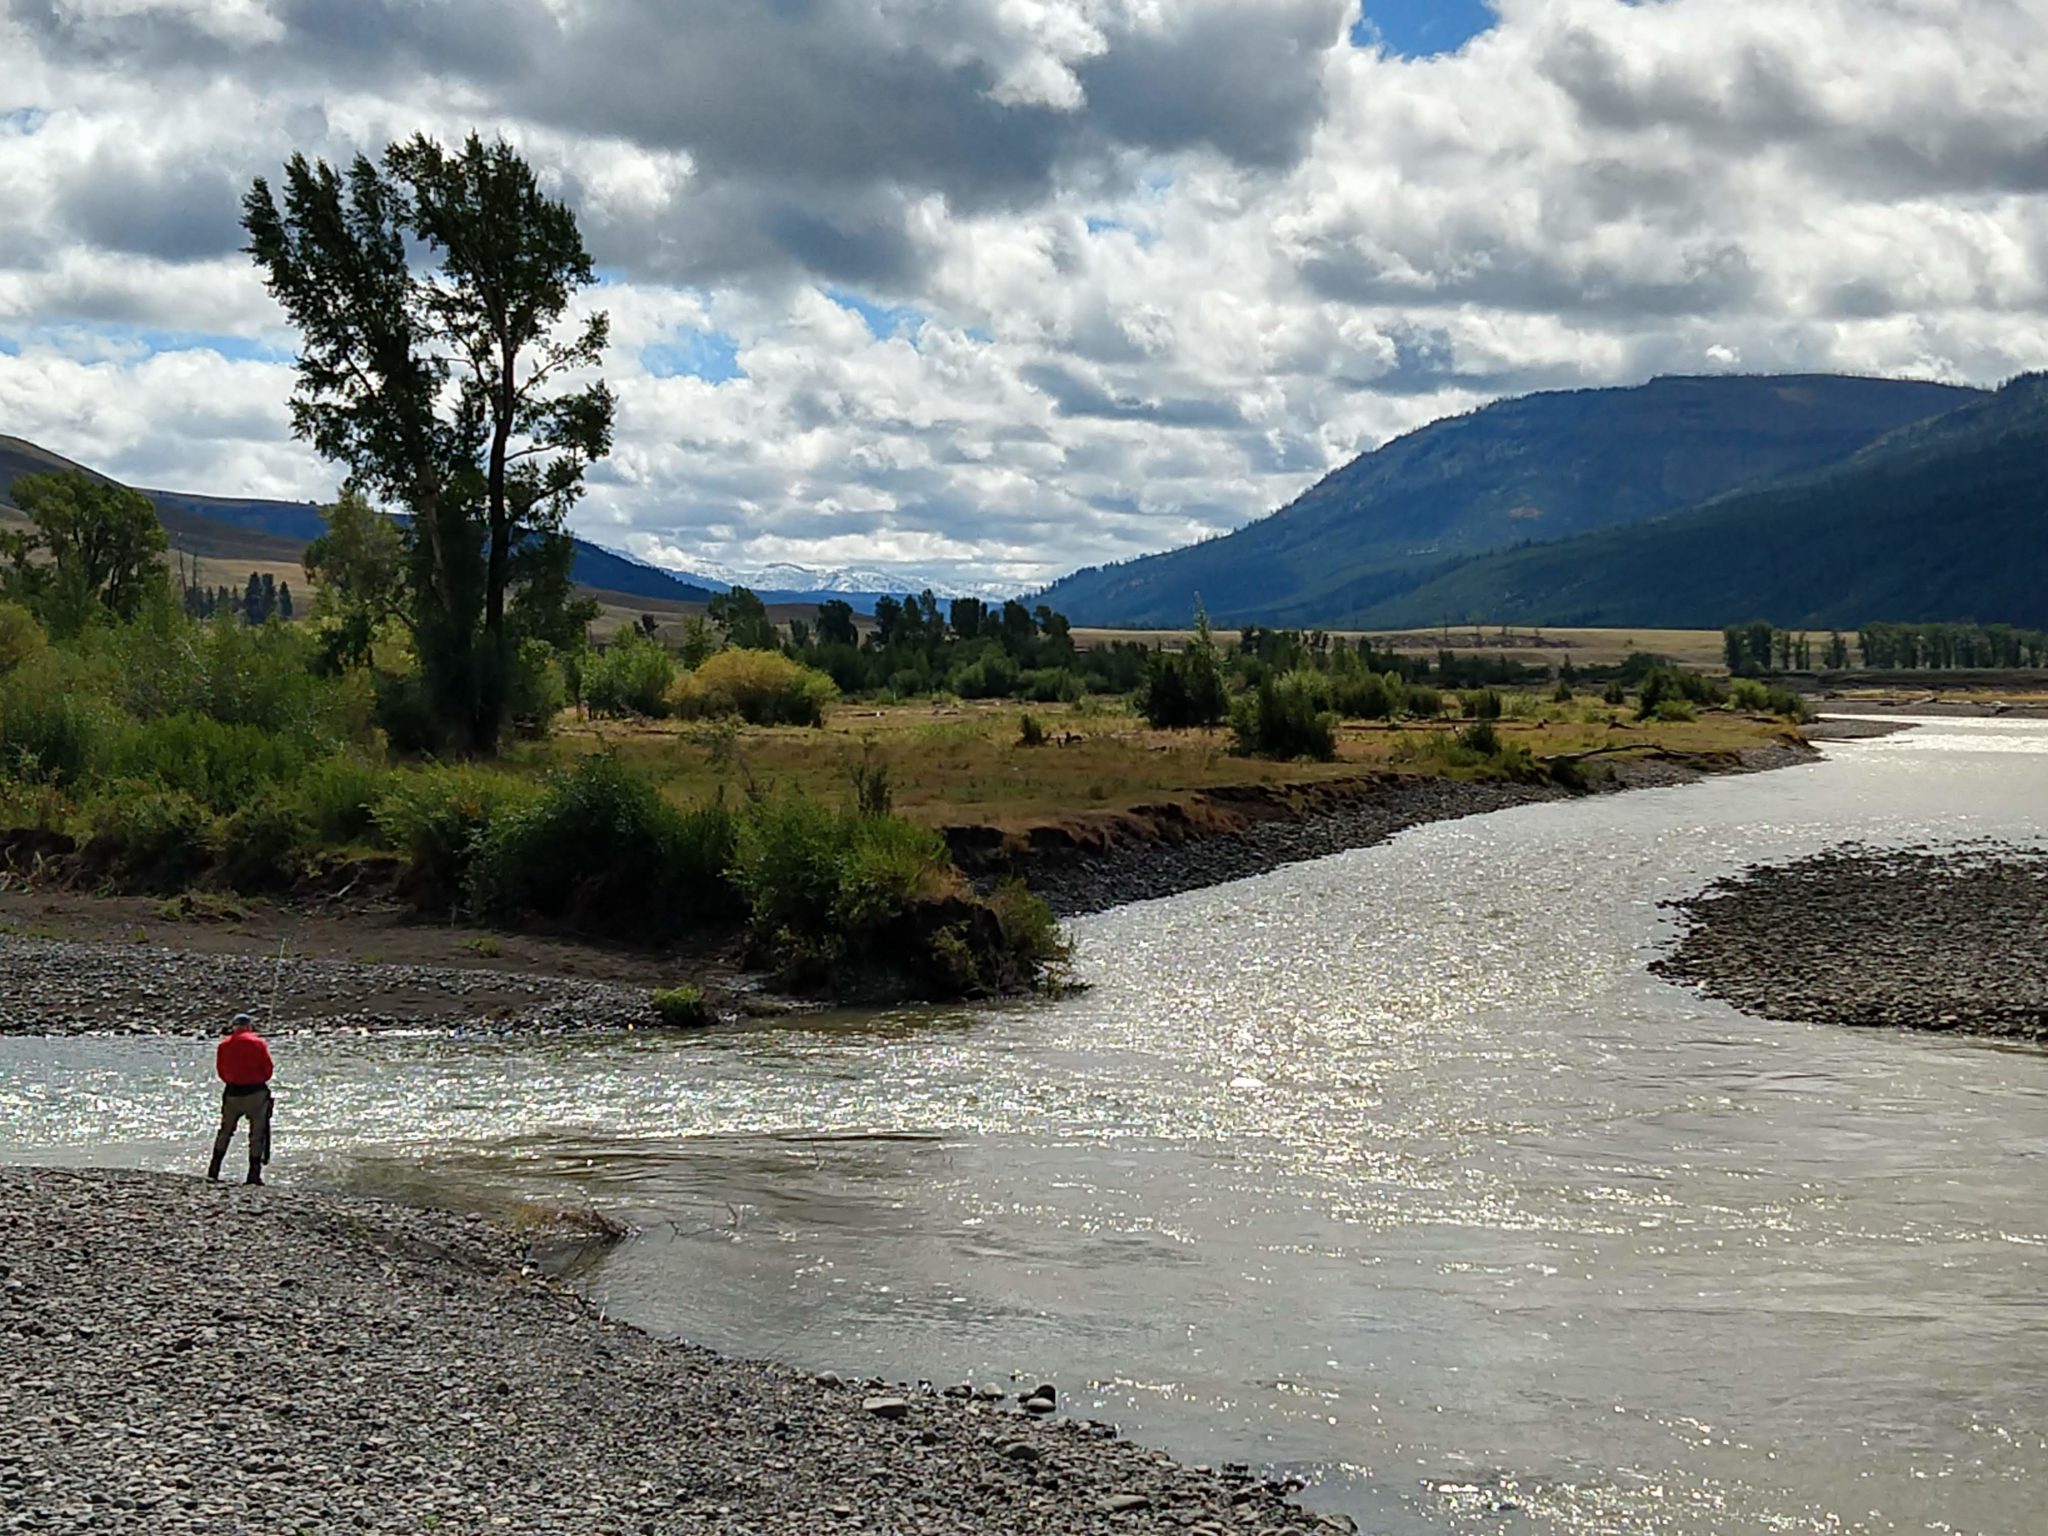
<point x="1752" y="650"/>
<point x="1908" y="647"/>
<point x="264" y="597"/>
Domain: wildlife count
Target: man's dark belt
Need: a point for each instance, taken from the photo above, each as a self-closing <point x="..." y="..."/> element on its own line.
<point x="232" y="1089"/>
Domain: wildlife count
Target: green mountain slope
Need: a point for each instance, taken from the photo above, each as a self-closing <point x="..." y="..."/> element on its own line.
<point x="1943" y="521"/>
<point x="1543" y="467"/>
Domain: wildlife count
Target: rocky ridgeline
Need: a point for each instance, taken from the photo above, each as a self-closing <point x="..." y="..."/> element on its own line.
<point x="180" y="1357"/>
<point x="1917" y="938"/>
<point x="70" y="987"/>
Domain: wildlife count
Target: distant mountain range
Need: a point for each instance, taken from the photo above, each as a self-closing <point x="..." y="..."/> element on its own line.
<point x="1401" y="536"/>
<point x="1686" y="502"/>
<point x="1942" y="521"/>
<point x="857" y="585"/>
<point x="277" y="532"/>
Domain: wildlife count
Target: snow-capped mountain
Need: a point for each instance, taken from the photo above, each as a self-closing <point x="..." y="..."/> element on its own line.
<point x="852" y="581"/>
<point x="805" y="578"/>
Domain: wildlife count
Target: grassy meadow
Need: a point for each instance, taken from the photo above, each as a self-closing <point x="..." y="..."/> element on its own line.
<point x="1700" y="649"/>
<point x="963" y="762"/>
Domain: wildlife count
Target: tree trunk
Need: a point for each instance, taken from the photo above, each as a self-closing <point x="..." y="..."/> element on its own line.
<point x="491" y="694"/>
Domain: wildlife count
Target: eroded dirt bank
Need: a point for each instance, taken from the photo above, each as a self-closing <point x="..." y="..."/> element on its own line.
<point x="1918" y="938"/>
<point x="1094" y="863"/>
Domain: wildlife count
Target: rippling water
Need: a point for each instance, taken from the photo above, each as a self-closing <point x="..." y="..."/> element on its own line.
<point x="1396" y="1169"/>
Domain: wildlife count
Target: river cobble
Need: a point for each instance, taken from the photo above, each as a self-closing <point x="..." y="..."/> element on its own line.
<point x="177" y="1357"/>
<point x="1928" y="938"/>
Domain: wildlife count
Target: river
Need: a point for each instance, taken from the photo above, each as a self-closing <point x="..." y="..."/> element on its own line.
<point x="1396" y="1170"/>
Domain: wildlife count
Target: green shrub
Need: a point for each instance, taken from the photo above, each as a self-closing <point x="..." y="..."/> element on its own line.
<point x="1793" y="706"/>
<point x="435" y="817"/>
<point x="21" y="637"/>
<point x="600" y="849"/>
<point x="1749" y="694"/>
<point x="761" y="687"/>
<point x="264" y="676"/>
<point x="1029" y="732"/>
<point x="814" y="871"/>
<point x="1665" y="683"/>
<point x="338" y="797"/>
<point x="683" y="1007"/>
<point x="1424" y="703"/>
<point x="1481" y="704"/>
<point x="51" y="735"/>
<point x="158" y="839"/>
<point x="1031" y="934"/>
<point x="1480" y="737"/>
<point x="1049" y="685"/>
<point x="261" y="843"/>
<point x="874" y="791"/>
<point x="993" y="676"/>
<point x="631" y="676"/>
<point x="405" y="713"/>
<point x="1361" y="696"/>
<point x="41" y="806"/>
<point x="1515" y="761"/>
<point x="223" y="766"/>
<point x="1562" y="693"/>
<point x="1674" y="712"/>
<point x="1184" y="689"/>
<point x="537" y="690"/>
<point x="1283" y="718"/>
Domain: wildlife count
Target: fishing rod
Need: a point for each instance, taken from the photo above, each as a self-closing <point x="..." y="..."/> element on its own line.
<point x="276" y="991"/>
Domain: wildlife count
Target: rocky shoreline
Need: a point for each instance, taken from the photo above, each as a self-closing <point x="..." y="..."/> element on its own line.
<point x="1948" y="939"/>
<point x="57" y="986"/>
<point x="1222" y="835"/>
<point x="177" y="1357"/>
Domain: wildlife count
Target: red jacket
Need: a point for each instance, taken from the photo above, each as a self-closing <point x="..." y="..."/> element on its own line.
<point x="242" y="1059"/>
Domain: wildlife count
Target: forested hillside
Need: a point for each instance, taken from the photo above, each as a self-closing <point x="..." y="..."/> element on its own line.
<point x="1541" y="468"/>
<point x="1945" y="521"/>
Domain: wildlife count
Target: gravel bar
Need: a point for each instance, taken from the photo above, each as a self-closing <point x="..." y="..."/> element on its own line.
<point x="1952" y="938"/>
<point x="182" y="1357"/>
<point x="75" y="987"/>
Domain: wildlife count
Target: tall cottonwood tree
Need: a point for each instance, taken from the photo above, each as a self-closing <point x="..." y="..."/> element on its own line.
<point x="95" y="545"/>
<point x="452" y="386"/>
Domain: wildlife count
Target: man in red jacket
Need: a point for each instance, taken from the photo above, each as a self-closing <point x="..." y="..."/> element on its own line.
<point x="243" y="1062"/>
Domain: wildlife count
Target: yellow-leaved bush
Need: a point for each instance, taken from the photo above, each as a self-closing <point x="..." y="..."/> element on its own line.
<point x="761" y="687"/>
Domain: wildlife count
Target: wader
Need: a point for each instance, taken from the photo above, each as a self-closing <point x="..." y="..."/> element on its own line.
<point x="238" y="1104"/>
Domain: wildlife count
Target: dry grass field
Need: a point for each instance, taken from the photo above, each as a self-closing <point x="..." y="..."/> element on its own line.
<point x="956" y="763"/>
<point x="1700" y="649"/>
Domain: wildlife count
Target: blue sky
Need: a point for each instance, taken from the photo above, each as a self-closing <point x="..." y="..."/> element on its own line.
<point x="1420" y="28"/>
<point x="712" y="355"/>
